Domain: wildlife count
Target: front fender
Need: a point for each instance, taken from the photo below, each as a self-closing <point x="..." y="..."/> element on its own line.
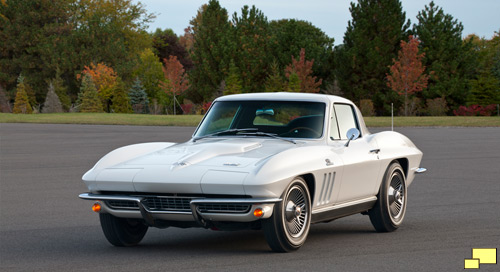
<point x="273" y="175"/>
<point x="121" y="155"/>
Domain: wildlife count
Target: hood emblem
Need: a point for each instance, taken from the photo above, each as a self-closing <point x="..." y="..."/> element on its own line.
<point x="231" y="164"/>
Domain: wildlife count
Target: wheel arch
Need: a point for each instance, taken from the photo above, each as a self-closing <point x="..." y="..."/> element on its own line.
<point x="311" y="184"/>
<point x="404" y="164"/>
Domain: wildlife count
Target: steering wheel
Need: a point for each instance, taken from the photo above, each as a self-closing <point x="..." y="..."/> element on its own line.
<point x="315" y="133"/>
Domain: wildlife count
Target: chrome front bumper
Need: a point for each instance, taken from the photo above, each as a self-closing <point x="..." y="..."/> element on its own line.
<point x="194" y="213"/>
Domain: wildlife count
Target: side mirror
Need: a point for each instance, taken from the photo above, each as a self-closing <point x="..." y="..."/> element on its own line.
<point x="352" y="134"/>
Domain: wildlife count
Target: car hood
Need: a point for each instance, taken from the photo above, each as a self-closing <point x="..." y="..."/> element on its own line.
<point x="212" y="152"/>
<point x="204" y="166"/>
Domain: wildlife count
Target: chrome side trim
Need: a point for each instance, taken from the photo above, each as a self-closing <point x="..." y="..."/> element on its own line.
<point x="420" y="170"/>
<point x="343" y="205"/>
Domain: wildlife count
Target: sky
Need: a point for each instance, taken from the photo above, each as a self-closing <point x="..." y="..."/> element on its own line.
<point x="481" y="17"/>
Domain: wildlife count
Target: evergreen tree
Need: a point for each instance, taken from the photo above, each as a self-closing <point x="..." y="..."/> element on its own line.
<point x="371" y="41"/>
<point x="21" y="103"/>
<point x="485" y="86"/>
<point x="293" y="83"/>
<point x="52" y="103"/>
<point x="233" y="82"/>
<point x="138" y="97"/>
<point x="120" y="103"/>
<point x="252" y="36"/>
<point x="274" y="82"/>
<point x="289" y="36"/>
<point x="448" y="59"/>
<point x="61" y="90"/>
<point x="212" y="51"/>
<point x="88" y="98"/>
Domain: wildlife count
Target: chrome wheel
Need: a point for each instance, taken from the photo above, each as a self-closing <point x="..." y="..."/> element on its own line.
<point x="296" y="214"/>
<point x="396" y="196"/>
<point x="389" y="211"/>
<point x="287" y="228"/>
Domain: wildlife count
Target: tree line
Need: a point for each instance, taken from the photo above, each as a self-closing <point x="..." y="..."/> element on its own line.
<point x="97" y="56"/>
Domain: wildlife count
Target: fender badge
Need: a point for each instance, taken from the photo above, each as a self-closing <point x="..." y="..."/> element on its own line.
<point x="231" y="164"/>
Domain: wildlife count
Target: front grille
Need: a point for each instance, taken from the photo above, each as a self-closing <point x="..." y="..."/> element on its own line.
<point x="122" y="204"/>
<point x="178" y="204"/>
<point x="168" y="203"/>
<point x="223" y="208"/>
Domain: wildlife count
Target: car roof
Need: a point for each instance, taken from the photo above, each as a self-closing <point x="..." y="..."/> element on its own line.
<point x="286" y="96"/>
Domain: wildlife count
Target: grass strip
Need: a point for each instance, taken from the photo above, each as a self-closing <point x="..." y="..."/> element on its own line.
<point x="193" y="120"/>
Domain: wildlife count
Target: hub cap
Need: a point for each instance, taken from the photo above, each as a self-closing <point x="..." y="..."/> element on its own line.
<point x="295" y="212"/>
<point x="396" y="195"/>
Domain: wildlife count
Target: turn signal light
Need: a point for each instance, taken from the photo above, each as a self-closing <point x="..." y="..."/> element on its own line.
<point x="96" y="207"/>
<point x="258" y="212"/>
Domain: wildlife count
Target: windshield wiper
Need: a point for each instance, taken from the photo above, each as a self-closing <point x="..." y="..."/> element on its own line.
<point x="272" y="135"/>
<point x="233" y="130"/>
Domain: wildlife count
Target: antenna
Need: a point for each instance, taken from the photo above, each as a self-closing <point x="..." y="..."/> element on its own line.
<point x="392" y="116"/>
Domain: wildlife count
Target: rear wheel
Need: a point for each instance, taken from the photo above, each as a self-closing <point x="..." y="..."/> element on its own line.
<point x="288" y="227"/>
<point x="389" y="211"/>
<point x="122" y="232"/>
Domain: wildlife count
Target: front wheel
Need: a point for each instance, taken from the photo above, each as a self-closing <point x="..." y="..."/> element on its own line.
<point x="389" y="211"/>
<point x="288" y="227"/>
<point x="122" y="232"/>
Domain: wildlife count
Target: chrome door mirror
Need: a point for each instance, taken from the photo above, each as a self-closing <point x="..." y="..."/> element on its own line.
<point x="352" y="134"/>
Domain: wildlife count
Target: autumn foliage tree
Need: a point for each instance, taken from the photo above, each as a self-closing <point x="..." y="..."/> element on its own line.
<point x="104" y="79"/>
<point x="303" y="69"/>
<point x="176" y="78"/>
<point x="407" y="73"/>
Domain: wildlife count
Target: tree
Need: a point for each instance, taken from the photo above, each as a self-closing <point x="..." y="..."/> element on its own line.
<point x="251" y="35"/>
<point x="104" y="78"/>
<point x="371" y="41"/>
<point x="110" y="31"/>
<point x="61" y="90"/>
<point x="52" y="103"/>
<point x="88" y="98"/>
<point x="166" y="43"/>
<point x="289" y="36"/>
<point x="233" y="81"/>
<point x="138" y="97"/>
<point x="212" y="51"/>
<point x="303" y="70"/>
<point x="274" y="81"/>
<point x="447" y="57"/>
<point x="176" y="78"/>
<point x="34" y="37"/>
<point x="21" y="103"/>
<point x="120" y="103"/>
<point x="149" y="70"/>
<point x="485" y="85"/>
<point x="293" y="83"/>
<point x="407" y="73"/>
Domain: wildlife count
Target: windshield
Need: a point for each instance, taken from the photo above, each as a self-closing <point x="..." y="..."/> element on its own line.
<point x="281" y="118"/>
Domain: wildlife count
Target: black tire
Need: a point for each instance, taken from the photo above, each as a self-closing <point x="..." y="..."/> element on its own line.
<point x="286" y="230"/>
<point x="389" y="211"/>
<point x="122" y="232"/>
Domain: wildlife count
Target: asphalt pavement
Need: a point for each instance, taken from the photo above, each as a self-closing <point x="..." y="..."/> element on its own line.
<point x="44" y="226"/>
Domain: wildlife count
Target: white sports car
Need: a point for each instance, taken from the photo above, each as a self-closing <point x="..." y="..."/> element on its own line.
<point x="272" y="161"/>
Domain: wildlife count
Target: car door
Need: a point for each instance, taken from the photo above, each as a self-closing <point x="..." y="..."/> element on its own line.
<point x="361" y="165"/>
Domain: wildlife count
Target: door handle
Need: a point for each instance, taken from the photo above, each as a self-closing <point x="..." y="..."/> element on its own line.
<point x="374" y="151"/>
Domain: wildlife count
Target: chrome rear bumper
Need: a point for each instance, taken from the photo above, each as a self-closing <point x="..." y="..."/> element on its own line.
<point x="201" y="210"/>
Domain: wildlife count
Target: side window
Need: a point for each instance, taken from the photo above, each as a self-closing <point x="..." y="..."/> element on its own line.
<point x="345" y="118"/>
<point x="334" y="129"/>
